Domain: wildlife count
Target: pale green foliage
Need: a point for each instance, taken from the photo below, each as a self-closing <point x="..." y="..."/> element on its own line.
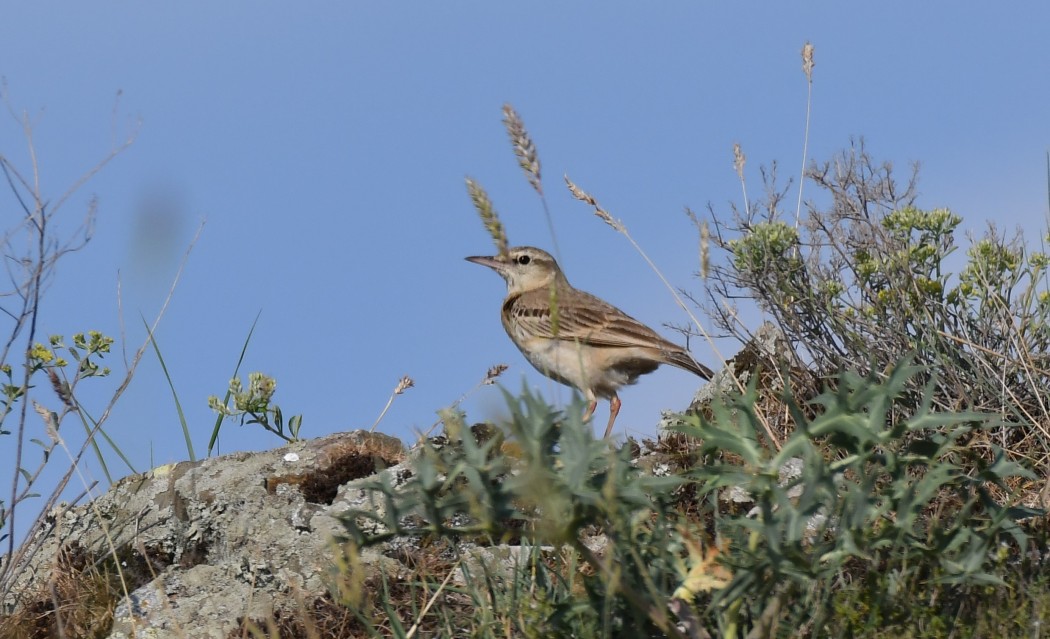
<point x="557" y="484"/>
<point x="767" y="243"/>
<point x="869" y="278"/>
<point x="877" y="496"/>
<point x="46" y="363"/>
<point x="253" y="406"/>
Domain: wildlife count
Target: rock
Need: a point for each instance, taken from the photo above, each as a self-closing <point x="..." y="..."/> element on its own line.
<point x="201" y="545"/>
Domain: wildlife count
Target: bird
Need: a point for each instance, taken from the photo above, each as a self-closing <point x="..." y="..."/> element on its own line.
<point x="576" y="338"/>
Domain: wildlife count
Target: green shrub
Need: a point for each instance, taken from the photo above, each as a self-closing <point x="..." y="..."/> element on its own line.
<point x="604" y="549"/>
<point x="866" y="278"/>
<point x="898" y="503"/>
<point x="551" y="487"/>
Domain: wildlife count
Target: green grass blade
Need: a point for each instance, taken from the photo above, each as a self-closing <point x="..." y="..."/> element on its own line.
<point x="90" y="425"/>
<point x="236" y="370"/>
<point x="174" y="394"/>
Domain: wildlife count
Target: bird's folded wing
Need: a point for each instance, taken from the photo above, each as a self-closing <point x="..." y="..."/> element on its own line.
<point x="581" y="317"/>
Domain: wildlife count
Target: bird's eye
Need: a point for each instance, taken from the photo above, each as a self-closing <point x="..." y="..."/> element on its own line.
<point x="524" y="259"/>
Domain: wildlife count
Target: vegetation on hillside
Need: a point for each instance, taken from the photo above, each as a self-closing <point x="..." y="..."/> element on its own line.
<point x="890" y="452"/>
<point x="880" y="470"/>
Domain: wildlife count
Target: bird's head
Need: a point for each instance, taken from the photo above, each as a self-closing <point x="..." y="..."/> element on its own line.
<point x="524" y="267"/>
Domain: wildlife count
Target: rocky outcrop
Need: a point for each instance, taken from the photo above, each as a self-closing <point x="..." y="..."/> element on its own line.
<point x="200" y="546"/>
<point x="204" y="549"/>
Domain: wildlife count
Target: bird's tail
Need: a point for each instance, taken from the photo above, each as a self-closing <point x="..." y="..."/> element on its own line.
<point x="684" y="360"/>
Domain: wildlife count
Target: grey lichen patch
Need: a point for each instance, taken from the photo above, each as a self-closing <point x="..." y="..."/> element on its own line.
<point x="201" y="544"/>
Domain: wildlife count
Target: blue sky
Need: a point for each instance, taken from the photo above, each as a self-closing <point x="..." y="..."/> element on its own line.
<point x="326" y="144"/>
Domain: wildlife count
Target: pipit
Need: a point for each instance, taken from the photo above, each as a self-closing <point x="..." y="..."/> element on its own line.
<point x="574" y="337"/>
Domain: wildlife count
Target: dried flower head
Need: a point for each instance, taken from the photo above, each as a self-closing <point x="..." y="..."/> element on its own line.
<point x="807" y="61"/>
<point x="528" y="159"/>
<point x="404" y="384"/>
<point x="488" y="215"/>
<point x="493" y="373"/>
<point x="583" y="196"/>
<point x="739" y="160"/>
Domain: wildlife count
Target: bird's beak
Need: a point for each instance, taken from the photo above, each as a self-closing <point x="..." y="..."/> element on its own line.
<point x="493" y="262"/>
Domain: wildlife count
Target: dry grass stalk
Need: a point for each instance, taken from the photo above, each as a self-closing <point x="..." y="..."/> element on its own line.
<point x="430" y="602"/>
<point x="583" y="196"/>
<point x="489" y="379"/>
<point x="39" y="215"/>
<point x="704" y="242"/>
<point x="807" y="68"/>
<point x="403" y="384"/>
<point x="77" y="601"/>
<point x="524" y="148"/>
<point x="488" y="215"/>
<point x="739" y="160"/>
<point x="529" y="161"/>
<point x="705" y="249"/>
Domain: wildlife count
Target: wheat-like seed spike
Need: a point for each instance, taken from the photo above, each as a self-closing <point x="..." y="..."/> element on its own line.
<point x="61" y="388"/>
<point x="807" y="61"/>
<point x="528" y="159"/>
<point x="49" y="421"/>
<point x="692" y="217"/>
<point x="488" y="215"/>
<point x="739" y="160"/>
<point x="579" y="193"/>
<point x="703" y="246"/>
<point x="583" y="196"/>
<point x="493" y="373"/>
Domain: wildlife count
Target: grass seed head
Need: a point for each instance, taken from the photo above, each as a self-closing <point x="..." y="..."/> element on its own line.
<point x="705" y="249"/>
<point x="524" y="148"/>
<point x="488" y="215"/>
<point x="404" y="384"/>
<point x="807" y="61"/>
<point x="583" y="196"/>
<point x="493" y="373"/>
<point x="739" y="160"/>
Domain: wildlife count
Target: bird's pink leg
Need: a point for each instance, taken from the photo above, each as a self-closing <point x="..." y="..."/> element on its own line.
<point x="590" y="410"/>
<point x="614" y="410"/>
